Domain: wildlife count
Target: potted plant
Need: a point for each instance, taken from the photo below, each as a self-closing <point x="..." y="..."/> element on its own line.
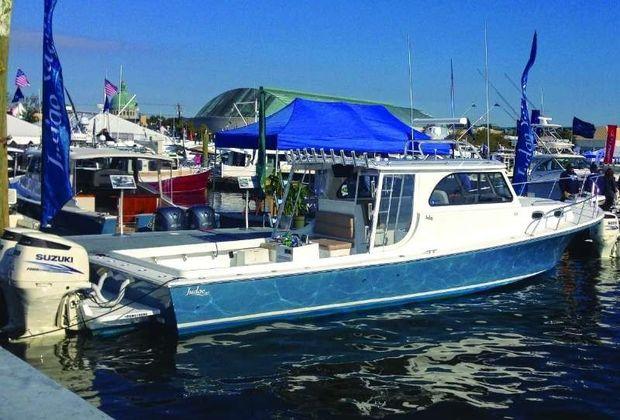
<point x="295" y="205"/>
<point x="273" y="189"/>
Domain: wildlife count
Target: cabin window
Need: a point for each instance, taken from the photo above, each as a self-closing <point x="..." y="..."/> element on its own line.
<point x="471" y="188"/>
<point x="395" y="209"/>
<point x="543" y="166"/>
<point x="34" y="165"/>
<point x="365" y="184"/>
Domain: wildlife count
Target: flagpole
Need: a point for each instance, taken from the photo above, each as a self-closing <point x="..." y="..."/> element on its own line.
<point x="452" y="96"/>
<point x="118" y="108"/>
<point x="5" y="28"/>
<point x="486" y="79"/>
<point x="106" y="118"/>
<point x="410" y="84"/>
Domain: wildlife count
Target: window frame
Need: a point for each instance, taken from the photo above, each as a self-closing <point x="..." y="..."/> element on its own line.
<point x="464" y="193"/>
<point x="376" y="209"/>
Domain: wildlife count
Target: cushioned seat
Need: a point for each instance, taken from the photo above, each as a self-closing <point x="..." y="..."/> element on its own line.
<point x="334" y="225"/>
<point x="439" y="198"/>
<point x="332" y="244"/>
<point x="334" y="232"/>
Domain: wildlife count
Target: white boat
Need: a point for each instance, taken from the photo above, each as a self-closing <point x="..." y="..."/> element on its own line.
<point x="409" y="230"/>
<point x="548" y="140"/>
<point x="232" y="163"/>
<point x="545" y="170"/>
<point x="93" y="208"/>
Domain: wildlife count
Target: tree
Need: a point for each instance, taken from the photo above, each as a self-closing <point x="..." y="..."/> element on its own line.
<point x="495" y="139"/>
<point x="32" y="107"/>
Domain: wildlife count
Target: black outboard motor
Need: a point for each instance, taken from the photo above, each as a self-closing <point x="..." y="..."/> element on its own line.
<point x="200" y="217"/>
<point x="169" y="218"/>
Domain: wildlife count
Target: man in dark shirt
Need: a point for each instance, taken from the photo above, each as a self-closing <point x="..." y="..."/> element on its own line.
<point x="609" y="190"/>
<point x="566" y="182"/>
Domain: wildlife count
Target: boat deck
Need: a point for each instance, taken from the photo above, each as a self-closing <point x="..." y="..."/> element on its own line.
<point x="102" y="244"/>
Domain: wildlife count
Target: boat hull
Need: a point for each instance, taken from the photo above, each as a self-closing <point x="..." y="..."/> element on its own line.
<point x="186" y="190"/>
<point x="215" y="306"/>
<point x="67" y="222"/>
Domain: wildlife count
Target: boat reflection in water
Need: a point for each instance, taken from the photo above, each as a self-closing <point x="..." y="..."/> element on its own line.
<point x="544" y="347"/>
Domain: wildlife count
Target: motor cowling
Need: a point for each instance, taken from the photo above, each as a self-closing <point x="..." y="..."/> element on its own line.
<point x="9" y="239"/>
<point x="43" y="270"/>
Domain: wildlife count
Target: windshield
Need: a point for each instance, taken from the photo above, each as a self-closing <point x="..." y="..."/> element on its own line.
<point x="577" y="162"/>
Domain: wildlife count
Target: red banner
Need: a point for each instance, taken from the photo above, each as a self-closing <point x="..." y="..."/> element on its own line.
<point x="611" y="144"/>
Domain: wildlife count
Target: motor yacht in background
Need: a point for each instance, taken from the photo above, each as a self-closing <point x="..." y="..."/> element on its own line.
<point x="548" y="140"/>
<point x="93" y="208"/>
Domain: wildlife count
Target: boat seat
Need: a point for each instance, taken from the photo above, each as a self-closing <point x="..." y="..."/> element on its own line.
<point x="334" y="225"/>
<point x="439" y="198"/>
<point x="332" y="247"/>
<point x="334" y="232"/>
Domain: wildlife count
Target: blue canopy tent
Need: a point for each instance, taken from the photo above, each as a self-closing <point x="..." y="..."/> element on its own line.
<point x="331" y="125"/>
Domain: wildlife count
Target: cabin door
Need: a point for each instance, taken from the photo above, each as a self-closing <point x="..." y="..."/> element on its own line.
<point x="394" y="211"/>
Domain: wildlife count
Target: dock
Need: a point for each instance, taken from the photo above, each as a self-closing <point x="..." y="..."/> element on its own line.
<point x="29" y="394"/>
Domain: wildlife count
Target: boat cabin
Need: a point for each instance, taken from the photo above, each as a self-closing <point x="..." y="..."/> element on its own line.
<point x="367" y="209"/>
<point x="375" y="204"/>
<point x="90" y="178"/>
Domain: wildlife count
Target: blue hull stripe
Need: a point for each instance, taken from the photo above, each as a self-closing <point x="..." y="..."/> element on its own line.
<point x="368" y="303"/>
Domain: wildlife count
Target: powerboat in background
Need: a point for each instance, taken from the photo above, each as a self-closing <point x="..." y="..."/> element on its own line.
<point x="548" y="139"/>
<point x="545" y="171"/>
<point x="94" y="207"/>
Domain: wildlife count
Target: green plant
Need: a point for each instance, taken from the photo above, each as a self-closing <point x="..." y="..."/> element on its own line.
<point x="273" y="184"/>
<point x="295" y="204"/>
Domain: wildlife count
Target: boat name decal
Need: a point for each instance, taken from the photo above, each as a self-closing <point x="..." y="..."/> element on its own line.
<point x="54" y="258"/>
<point x="196" y="291"/>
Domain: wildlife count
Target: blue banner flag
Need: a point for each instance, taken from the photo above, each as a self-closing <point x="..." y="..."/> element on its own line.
<point x="56" y="132"/>
<point x="106" y="104"/>
<point x="526" y="141"/>
<point x="583" y="128"/>
<point x="18" y="97"/>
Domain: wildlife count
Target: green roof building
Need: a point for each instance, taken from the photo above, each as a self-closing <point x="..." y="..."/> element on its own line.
<point x="125" y="101"/>
<point x="238" y="107"/>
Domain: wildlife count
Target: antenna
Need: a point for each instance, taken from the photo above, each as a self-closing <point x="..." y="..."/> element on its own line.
<point x="451" y="89"/>
<point x="514" y="111"/>
<point x="486" y="78"/>
<point x="410" y="84"/>
<point x="518" y="89"/>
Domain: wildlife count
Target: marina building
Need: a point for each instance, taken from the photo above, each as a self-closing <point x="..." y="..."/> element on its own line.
<point x="126" y="103"/>
<point x="238" y="107"/>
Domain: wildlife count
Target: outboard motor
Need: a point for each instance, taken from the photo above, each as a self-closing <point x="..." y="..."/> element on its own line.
<point x="169" y="218"/>
<point x="44" y="268"/>
<point x="200" y="217"/>
<point x="9" y="239"/>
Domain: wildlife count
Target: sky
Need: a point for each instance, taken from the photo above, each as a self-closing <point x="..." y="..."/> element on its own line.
<point x="189" y="51"/>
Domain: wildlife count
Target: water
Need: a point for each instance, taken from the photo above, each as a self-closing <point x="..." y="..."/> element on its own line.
<point x="545" y="347"/>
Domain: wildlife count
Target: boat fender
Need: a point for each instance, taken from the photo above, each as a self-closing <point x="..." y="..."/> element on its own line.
<point x="101" y="300"/>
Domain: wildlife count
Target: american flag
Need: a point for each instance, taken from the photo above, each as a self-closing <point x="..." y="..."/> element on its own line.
<point x="20" y="79"/>
<point x="110" y="89"/>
